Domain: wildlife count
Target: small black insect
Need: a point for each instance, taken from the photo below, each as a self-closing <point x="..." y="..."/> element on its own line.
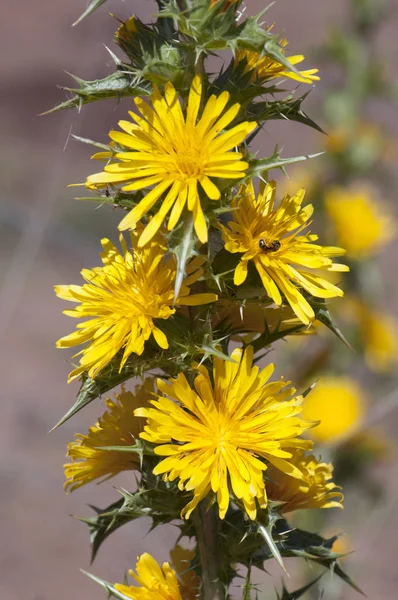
<point x="271" y="247"/>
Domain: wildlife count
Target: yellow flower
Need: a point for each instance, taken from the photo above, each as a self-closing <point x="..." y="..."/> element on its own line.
<point x="315" y="490"/>
<point x="122" y="298"/>
<point x="266" y="68"/>
<point x="225" y="433"/>
<point x="157" y="583"/>
<point x="170" y="151"/>
<point x="116" y="427"/>
<point x="270" y="237"/>
<point x="380" y="336"/>
<point x="338" y="402"/>
<point x="359" y="223"/>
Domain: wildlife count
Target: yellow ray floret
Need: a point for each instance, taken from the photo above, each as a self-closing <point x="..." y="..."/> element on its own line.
<point x="223" y="434"/>
<point x="122" y="298"/>
<point x="265" y="68"/>
<point x="315" y="490"/>
<point x="271" y="237"/>
<point x="156" y="583"/>
<point x="173" y="152"/>
<point x="117" y="427"/>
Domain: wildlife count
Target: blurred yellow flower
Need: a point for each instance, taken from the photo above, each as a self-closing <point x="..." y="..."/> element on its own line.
<point x="122" y="298"/>
<point x="338" y="403"/>
<point x="156" y="583"/>
<point x="226" y="432"/>
<point x="380" y="336"/>
<point x="359" y="222"/>
<point x="364" y="139"/>
<point x="315" y="490"/>
<point x="266" y="68"/>
<point x="378" y="331"/>
<point x="117" y="427"/>
<point x="270" y="237"/>
<point x="174" y="153"/>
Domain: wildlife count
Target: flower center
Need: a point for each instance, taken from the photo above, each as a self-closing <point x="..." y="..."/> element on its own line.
<point x="189" y="162"/>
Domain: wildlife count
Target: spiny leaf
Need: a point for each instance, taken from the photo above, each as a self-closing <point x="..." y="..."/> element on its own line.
<point x="136" y="449"/>
<point x="212" y="350"/>
<point x="275" y="161"/>
<point x="266" y="532"/>
<point x="323" y="315"/>
<point x="289" y="109"/>
<point x="107" y="586"/>
<point x="161" y="503"/>
<point x="105" y="522"/>
<point x="182" y="243"/>
<point x="246" y="544"/>
<point x="111" y="376"/>
<point x="94" y="4"/>
<point x="300" y="592"/>
<point x="92" y="143"/>
<point x="117" y="85"/>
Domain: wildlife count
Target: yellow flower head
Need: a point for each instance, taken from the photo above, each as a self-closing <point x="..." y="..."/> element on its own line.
<point x="265" y="68"/>
<point x="338" y="403"/>
<point x="174" y="153"/>
<point x="116" y="427"/>
<point x="360" y="225"/>
<point x="380" y="337"/>
<point x="225" y="432"/>
<point x="121" y="300"/>
<point x="271" y="238"/>
<point x="315" y="490"/>
<point x="156" y="583"/>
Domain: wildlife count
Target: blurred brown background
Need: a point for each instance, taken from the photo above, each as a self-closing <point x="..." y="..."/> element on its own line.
<point x="46" y="238"/>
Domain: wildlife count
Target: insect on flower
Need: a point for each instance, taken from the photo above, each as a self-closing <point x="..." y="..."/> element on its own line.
<point x="269" y="247"/>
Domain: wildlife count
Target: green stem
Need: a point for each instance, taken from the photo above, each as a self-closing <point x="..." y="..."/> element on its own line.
<point x="205" y="523"/>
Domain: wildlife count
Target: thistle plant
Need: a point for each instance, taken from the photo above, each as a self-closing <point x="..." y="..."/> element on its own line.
<point x="210" y="266"/>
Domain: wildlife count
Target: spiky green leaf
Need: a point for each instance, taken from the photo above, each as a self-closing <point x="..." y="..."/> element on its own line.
<point x="111" y="376"/>
<point x="257" y="166"/>
<point x="298" y="593"/>
<point x="108" y="587"/>
<point x="119" y="84"/>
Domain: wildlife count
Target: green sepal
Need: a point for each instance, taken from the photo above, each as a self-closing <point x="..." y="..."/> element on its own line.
<point x="152" y="51"/>
<point x="94" y="4"/>
<point x="117" y="85"/>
